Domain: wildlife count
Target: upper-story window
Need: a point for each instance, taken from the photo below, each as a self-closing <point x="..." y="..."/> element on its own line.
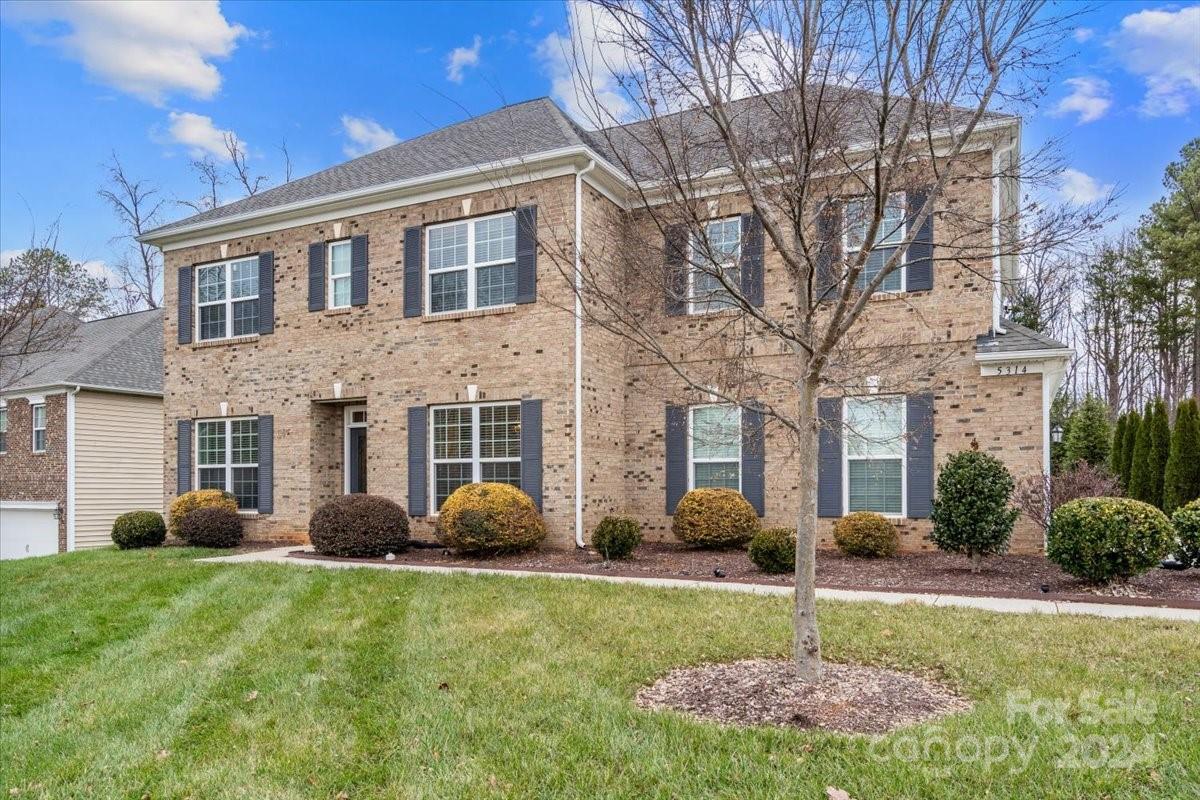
<point x="227" y="458"/>
<point x="888" y="236"/>
<point x="472" y="264"/>
<point x="718" y="251"/>
<point x="3" y="430"/>
<point x="227" y="299"/>
<point x="716" y="447"/>
<point x="37" y="414"/>
<point x="473" y="444"/>
<point x="875" y="454"/>
<point x="338" y="259"/>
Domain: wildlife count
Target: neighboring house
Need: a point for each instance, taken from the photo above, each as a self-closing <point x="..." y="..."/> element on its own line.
<point x="81" y="437"/>
<point x="395" y="325"/>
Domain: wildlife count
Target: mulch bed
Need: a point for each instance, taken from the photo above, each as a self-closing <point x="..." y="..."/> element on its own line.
<point x="849" y="698"/>
<point x="929" y="573"/>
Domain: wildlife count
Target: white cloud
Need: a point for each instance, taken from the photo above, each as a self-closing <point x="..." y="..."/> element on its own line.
<point x="584" y="65"/>
<point x="198" y="133"/>
<point x="150" y="49"/>
<point x="1080" y="188"/>
<point x="1090" y="98"/>
<point x="460" y="58"/>
<point x="1162" y="48"/>
<point x="366" y="136"/>
<point x="1084" y="34"/>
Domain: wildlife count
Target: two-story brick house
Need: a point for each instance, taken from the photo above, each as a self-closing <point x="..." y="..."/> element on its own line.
<point x="396" y="325"/>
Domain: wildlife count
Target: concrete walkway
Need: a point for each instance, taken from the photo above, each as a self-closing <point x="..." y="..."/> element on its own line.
<point x="279" y="555"/>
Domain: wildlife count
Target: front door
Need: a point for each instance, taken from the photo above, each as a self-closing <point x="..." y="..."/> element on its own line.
<point x="356" y="450"/>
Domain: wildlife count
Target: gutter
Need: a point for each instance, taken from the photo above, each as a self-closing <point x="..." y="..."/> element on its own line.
<point x="579" y="351"/>
<point x="997" y="269"/>
<point x="21" y="391"/>
<point x="71" y="467"/>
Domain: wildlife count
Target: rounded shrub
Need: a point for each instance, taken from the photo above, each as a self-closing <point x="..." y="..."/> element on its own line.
<point x="1101" y="539"/>
<point x="188" y="502"/>
<point x="135" y="529"/>
<point x="211" y="526"/>
<point x="490" y="518"/>
<point x="774" y="550"/>
<point x="358" y="526"/>
<point x="971" y="512"/>
<point x="866" y="534"/>
<point x="1186" y="522"/>
<point x="616" y="537"/>
<point x="714" y="518"/>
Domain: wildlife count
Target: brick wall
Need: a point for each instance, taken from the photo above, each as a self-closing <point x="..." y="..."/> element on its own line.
<point x="26" y="475"/>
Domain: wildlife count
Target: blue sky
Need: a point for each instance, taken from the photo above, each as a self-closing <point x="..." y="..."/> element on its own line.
<point x="158" y="83"/>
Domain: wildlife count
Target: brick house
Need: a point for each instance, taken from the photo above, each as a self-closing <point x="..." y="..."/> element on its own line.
<point x="81" y="436"/>
<point x="395" y="325"/>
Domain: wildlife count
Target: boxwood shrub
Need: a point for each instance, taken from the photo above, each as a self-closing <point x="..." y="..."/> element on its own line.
<point x="135" y="529"/>
<point x="773" y="550"/>
<point x="1186" y="521"/>
<point x="490" y="518"/>
<point x="1102" y="539"/>
<point x="971" y="512"/>
<point x="616" y="537"/>
<point x="714" y="518"/>
<point x="358" y="526"/>
<point x="190" y="501"/>
<point x="866" y="534"/>
<point x="211" y="526"/>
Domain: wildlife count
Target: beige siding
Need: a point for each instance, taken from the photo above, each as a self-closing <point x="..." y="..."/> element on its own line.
<point x="118" y="461"/>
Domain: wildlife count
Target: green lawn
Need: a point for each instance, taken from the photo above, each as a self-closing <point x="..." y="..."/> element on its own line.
<point x="134" y="675"/>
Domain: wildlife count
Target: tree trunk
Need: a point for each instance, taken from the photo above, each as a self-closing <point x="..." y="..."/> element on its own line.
<point x="806" y="639"/>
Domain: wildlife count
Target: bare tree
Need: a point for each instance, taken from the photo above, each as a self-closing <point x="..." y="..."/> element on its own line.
<point x="816" y="118"/>
<point x="211" y="178"/>
<point x="287" y="161"/>
<point x="137" y="205"/>
<point x="241" y="171"/>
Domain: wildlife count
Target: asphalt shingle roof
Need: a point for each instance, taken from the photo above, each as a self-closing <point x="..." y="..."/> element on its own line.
<point x="123" y="352"/>
<point x="1016" y="339"/>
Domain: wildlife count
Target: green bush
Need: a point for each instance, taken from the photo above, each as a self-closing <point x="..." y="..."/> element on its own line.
<point x="1186" y="522"/>
<point x="1181" y="482"/>
<point x="135" y="529"/>
<point x="1101" y="539"/>
<point x="774" y="550"/>
<point x="866" y="534"/>
<point x="1150" y="453"/>
<point x="1132" y="426"/>
<point x="1089" y="435"/>
<point x="199" y="498"/>
<point x="490" y="518"/>
<point x="212" y="526"/>
<point x="616" y="537"/>
<point x="971" y="513"/>
<point x="714" y="518"/>
<point x="358" y="526"/>
<point x="1116" y="453"/>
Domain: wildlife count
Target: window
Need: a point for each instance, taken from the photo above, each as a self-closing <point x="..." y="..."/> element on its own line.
<point x="472" y="264"/>
<point x="227" y="299"/>
<point x="890" y="233"/>
<point x="719" y="249"/>
<point x="339" y="274"/>
<point x="875" y="455"/>
<point x="227" y="458"/>
<point x="38" y="415"/>
<point x="716" y="447"/>
<point x="3" y="430"/>
<point x="473" y="444"/>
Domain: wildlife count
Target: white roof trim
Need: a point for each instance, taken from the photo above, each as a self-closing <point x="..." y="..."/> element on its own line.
<point x="58" y="388"/>
<point x="1027" y="355"/>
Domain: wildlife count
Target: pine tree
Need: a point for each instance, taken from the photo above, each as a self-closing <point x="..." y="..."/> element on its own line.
<point x="1181" y="483"/>
<point x="1160" y="450"/>
<point x="1141" y="471"/>
<point x="1116" y="453"/>
<point x="1132" y="424"/>
<point x="1089" y="435"/>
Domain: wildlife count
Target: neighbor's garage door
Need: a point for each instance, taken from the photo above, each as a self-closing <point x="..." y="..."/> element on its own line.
<point x="27" y="529"/>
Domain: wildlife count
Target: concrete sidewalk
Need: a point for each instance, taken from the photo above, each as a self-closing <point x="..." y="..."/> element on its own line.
<point x="279" y="555"/>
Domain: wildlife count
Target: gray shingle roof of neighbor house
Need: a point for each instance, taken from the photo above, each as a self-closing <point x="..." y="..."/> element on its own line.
<point x="123" y="352"/>
<point x="1016" y="339"/>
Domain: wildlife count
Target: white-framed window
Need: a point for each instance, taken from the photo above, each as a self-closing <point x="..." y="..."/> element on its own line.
<point x="472" y="444"/>
<point x="227" y="299"/>
<point x="227" y="458"/>
<point x="715" y="447"/>
<point x="3" y="429"/>
<point x="891" y="232"/>
<point x="471" y="264"/>
<point x="875" y="455"/>
<point x="37" y="415"/>
<point x="337" y="259"/>
<point x="720" y="248"/>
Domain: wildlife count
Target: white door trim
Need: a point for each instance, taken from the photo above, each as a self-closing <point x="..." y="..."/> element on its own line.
<point x="348" y="423"/>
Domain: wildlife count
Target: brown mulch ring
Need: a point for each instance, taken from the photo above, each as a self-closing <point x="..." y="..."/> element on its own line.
<point x="849" y="698"/>
<point x="928" y="572"/>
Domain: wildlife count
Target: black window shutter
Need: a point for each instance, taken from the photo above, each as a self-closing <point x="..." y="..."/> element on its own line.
<point x="266" y="464"/>
<point x="829" y="251"/>
<point x="675" y="253"/>
<point x="675" y="438"/>
<point x="526" y="254"/>
<point x="418" y="462"/>
<point x="358" y="270"/>
<point x="920" y="455"/>
<point x="414" y="298"/>
<point x="185" y="305"/>
<point x="183" y="456"/>
<point x="531" y="450"/>
<point x="754" y="460"/>
<point x="829" y="457"/>
<point x="316" y="276"/>
<point x="919" y="261"/>
<point x="266" y="292"/>
<point x="752" y="259"/>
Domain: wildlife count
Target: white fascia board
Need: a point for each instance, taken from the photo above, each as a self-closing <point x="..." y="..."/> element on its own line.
<point x="59" y="388"/>
<point x="1026" y="355"/>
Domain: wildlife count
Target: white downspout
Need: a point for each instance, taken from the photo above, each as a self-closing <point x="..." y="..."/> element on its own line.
<point x="71" y="468"/>
<point x="997" y="271"/>
<point x="579" y="542"/>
